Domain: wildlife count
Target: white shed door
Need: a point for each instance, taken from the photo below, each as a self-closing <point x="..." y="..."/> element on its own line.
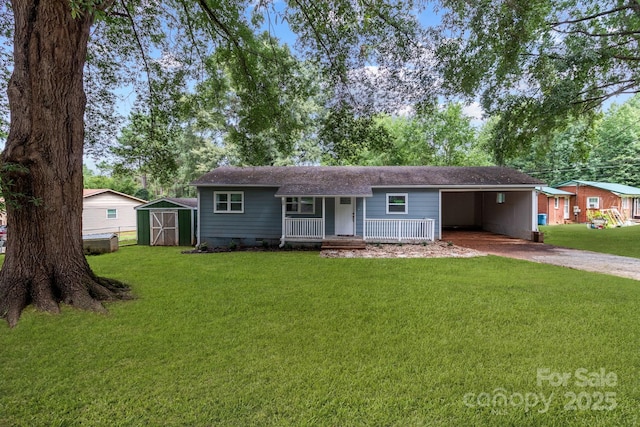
<point x="164" y="228"/>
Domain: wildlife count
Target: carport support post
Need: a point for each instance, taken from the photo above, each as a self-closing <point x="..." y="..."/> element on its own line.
<point x="534" y="215"/>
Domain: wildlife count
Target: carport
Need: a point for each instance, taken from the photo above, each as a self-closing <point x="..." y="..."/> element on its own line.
<point x="510" y="210"/>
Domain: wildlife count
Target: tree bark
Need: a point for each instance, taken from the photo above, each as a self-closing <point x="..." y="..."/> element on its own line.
<point x="42" y="166"/>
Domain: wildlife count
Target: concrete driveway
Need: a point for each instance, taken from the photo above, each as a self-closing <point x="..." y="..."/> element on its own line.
<point x="500" y="245"/>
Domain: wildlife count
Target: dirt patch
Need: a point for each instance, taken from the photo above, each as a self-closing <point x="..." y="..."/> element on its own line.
<point x="439" y="249"/>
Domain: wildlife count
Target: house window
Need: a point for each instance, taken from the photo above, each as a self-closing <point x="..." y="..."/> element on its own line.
<point x="112" y="214"/>
<point x="501" y="198"/>
<point x="593" y="202"/>
<point x="625" y="203"/>
<point x="301" y="205"/>
<point x="556" y="203"/>
<point x="397" y="203"/>
<point x="228" y="202"/>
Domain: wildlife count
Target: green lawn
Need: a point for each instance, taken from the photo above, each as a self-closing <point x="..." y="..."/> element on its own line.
<point x="289" y="338"/>
<point x="618" y="241"/>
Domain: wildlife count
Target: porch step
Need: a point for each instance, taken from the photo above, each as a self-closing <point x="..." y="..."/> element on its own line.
<point x="343" y="243"/>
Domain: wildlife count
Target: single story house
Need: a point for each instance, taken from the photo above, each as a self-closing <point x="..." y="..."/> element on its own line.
<point x="108" y="211"/>
<point x="555" y="204"/>
<point x="167" y="222"/>
<point x="254" y="205"/>
<point x="592" y="195"/>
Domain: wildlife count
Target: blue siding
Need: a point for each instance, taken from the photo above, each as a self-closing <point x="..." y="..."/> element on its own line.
<point x="262" y="217"/>
<point x="423" y="203"/>
<point x="330" y="220"/>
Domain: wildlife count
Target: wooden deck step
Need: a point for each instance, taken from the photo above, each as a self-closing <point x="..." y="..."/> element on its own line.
<point x="347" y="243"/>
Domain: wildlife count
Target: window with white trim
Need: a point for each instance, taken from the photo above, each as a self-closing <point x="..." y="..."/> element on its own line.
<point x="625" y="203"/>
<point x="556" y="203"/>
<point x="300" y="205"/>
<point x="397" y="203"/>
<point x="228" y="202"/>
<point x="112" y="213"/>
<point x="593" y="202"/>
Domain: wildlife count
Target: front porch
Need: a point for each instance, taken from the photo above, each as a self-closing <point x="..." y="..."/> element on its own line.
<point x="375" y="231"/>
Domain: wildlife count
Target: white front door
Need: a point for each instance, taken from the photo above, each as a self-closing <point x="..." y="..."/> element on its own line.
<point x="345" y="216"/>
<point x="566" y="208"/>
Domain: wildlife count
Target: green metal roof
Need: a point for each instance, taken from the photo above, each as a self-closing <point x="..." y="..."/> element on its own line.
<point x="620" y="189"/>
<point x="550" y="191"/>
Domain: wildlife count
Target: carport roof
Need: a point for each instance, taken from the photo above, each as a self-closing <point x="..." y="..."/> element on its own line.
<point x="359" y="180"/>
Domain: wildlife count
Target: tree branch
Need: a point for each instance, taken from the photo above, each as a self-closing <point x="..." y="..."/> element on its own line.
<point x="229" y="37"/>
<point x="587" y="18"/>
<point x="128" y="15"/>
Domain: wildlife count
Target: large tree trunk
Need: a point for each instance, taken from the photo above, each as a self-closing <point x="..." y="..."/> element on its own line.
<point x="42" y="166"/>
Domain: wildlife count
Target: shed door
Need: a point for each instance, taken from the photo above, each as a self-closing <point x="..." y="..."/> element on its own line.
<point x="164" y="228"/>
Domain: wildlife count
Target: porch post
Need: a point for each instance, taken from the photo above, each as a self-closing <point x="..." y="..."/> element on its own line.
<point x="284" y="226"/>
<point x="324" y="219"/>
<point x="364" y="218"/>
<point x="534" y="211"/>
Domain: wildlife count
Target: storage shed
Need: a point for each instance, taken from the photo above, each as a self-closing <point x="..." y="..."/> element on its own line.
<point x="167" y="222"/>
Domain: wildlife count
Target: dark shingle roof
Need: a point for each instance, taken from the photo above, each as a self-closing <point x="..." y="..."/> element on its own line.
<point x="191" y="202"/>
<point x="358" y="180"/>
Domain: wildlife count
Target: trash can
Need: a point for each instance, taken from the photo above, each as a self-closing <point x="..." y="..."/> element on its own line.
<point x="542" y="219"/>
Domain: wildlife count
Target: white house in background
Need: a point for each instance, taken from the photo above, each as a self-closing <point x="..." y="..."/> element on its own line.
<point x="108" y="211"/>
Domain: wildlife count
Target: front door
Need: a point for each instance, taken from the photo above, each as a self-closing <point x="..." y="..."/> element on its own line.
<point x="566" y="208"/>
<point x="636" y="207"/>
<point x="345" y="216"/>
<point x="164" y="228"/>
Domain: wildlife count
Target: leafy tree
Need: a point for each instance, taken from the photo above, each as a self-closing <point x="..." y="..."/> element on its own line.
<point x="262" y="116"/>
<point x="348" y="139"/>
<point x="146" y="148"/>
<point x="57" y="44"/>
<point x="561" y="158"/>
<point x="616" y="155"/>
<point x="538" y="65"/>
<point x="436" y="135"/>
<point x="124" y="185"/>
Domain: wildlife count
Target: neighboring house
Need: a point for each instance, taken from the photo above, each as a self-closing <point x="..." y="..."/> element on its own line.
<point x="555" y="204"/>
<point x="591" y="195"/>
<point x="167" y="222"/>
<point x="254" y="205"/>
<point x="108" y="211"/>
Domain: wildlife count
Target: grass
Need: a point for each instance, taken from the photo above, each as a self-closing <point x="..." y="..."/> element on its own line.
<point x="127" y="238"/>
<point x="289" y="338"/>
<point x="617" y="241"/>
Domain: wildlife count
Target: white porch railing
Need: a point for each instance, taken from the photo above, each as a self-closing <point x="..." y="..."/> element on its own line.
<point x="399" y="230"/>
<point x="303" y="228"/>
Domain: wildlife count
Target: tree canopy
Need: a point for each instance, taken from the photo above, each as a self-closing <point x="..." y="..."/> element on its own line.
<point x="537" y="65"/>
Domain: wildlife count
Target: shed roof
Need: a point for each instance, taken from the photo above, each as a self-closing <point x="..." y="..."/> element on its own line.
<point x="550" y="191"/>
<point x="359" y="180"/>
<point x="190" y="203"/>
<point x="619" y="189"/>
